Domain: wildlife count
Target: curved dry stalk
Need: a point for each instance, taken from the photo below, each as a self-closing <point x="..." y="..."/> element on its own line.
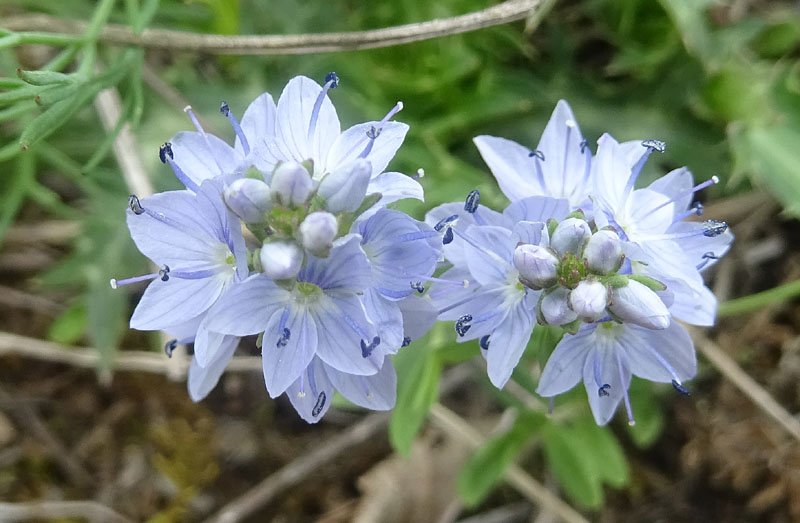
<point x="763" y="399"/>
<point x="52" y="510"/>
<point x="509" y="11"/>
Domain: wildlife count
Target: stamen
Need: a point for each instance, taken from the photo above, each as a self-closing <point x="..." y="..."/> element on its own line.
<point x="707" y="257"/>
<point x="194" y="274"/>
<point x="394" y="110"/>
<point x="487" y="252"/>
<point x="135" y="205"/>
<point x="696" y="209"/>
<point x="603" y="390"/>
<point x="680" y="388"/>
<point x="484" y="342"/>
<point x="166" y="155"/>
<point x="539" y="157"/>
<point x="584" y="144"/>
<point x="372" y="134"/>
<point x="170" y="347"/>
<point x="226" y="111"/>
<point x="353" y="325"/>
<point x="699" y="187"/>
<point x="650" y="145"/>
<point x="419" y="174"/>
<point x="463" y="324"/>
<point x="458" y="283"/>
<point x="712" y="228"/>
<point x="625" y="395"/>
<point x="406" y="341"/>
<point x="286" y="334"/>
<point x="365" y="387"/>
<point x="445" y="221"/>
<point x="331" y="82"/>
<point x="319" y="405"/>
<point x="312" y="380"/>
<point x="412" y="236"/>
<point x="570" y="125"/>
<point x="163" y="274"/>
<point x="448" y="236"/>
<point x="472" y="201"/>
<point x="366" y="350"/>
<point x="417" y="286"/>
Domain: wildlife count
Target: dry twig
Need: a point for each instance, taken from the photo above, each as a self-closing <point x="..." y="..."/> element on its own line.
<point x="59" y="510"/>
<point x="509" y="11"/>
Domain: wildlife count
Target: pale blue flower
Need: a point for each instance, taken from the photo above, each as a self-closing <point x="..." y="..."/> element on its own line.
<point x="491" y="304"/>
<point x="559" y="167"/>
<point x="604" y="355"/>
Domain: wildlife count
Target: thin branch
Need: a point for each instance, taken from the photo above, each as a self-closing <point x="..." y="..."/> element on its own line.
<point x="59" y="510"/>
<point x="299" y="469"/>
<point x="88" y="358"/>
<point x="453" y="425"/>
<point x="747" y="385"/>
<point x="509" y="11"/>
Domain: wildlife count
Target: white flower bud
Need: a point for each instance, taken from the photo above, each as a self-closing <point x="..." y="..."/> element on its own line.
<point x="281" y="260"/>
<point x="249" y="199"/>
<point x="555" y="307"/>
<point x="570" y="236"/>
<point x="318" y="231"/>
<point x="536" y="265"/>
<point x="291" y="184"/>
<point x="636" y="303"/>
<point x="589" y="300"/>
<point x="603" y="252"/>
<point x="345" y="189"/>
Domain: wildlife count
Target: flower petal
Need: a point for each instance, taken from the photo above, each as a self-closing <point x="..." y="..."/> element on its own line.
<point x="507" y="343"/>
<point x="491" y="264"/>
<point x="168" y="303"/>
<point x="203" y="156"/>
<point x="258" y="122"/>
<point x="387" y="318"/>
<point x="312" y="394"/>
<point x="661" y="355"/>
<point x="537" y="209"/>
<point x="605" y="365"/>
<point x="511" y="165"/>
<point x="285" y="357"/>
<point x="351" y="143"/>
<point x="564" y="368"/>
<point x="342" y="326"/>
<point x="247" y="307"/>
<point x="203" y="379"/>
<point x="345" y="271"/>
<point x="375" y="392"/>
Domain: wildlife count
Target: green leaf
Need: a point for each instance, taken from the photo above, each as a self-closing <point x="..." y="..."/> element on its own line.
<point x="771" y="151"/>
<point x="53" y="118"/>
<point x="606" y="456"/>
<point x="44" y="77"/>
<point x="573" y="465"/>
<point x="486" y="467"/>
<point x="70" y="326"/>
<point x="417" y="391"/>
<point x="690" y="19"/>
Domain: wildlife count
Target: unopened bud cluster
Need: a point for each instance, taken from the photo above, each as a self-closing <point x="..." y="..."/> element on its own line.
<point x="579" y="271"/>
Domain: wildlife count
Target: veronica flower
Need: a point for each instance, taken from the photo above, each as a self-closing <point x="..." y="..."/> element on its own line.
<point x="198" y="245"/>
<point x="307" y="128"/>
<point x="197" y="155"/>
<point x="491" y="304"/>
<point x="559" y="167"/>
<point x="604" y="355"/>
<point x="658" y="241"/>
<point x="402" y="254"/>
<point x="317" y="315"/>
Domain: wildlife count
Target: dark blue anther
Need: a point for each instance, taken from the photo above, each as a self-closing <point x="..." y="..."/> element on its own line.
<point x="709" y="256"/>
<point x="448" y="236"/>
<point x="331" y="77"/>
<point x="135" y="205"/>
<point x="472" y="201"/>
<point x="406" y="341"/>
<point x="163" y="273"/>
<point x="366" y="350"/>
<point x="656" y="145"/>
<point x="698" y="208"/>
<point x="603" y="391"/>
<point x="712" y="228"/>
<point x="537" y="153"/>
<point x="417" y="286"/>
<point x="170" y="347"/>
<point x="680" y="388"/>
<point x="224" y="108"/>
<point x="284" y="338"/>
<point x="462" y="324"/>
<point x="584" y="145"/>
<point x="319" y="405"/>
<point x="373" y="133"/>
<point x="445" y="221"/>
<point x="164" y="151"/>
<point x="484" y="342"/>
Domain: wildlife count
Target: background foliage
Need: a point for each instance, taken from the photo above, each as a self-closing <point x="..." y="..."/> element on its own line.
<point x="718" y="81"/>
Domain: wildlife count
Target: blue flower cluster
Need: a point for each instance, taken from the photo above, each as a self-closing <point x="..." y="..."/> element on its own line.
<point x="582" y="248"/>
<point x="286" y="236"/>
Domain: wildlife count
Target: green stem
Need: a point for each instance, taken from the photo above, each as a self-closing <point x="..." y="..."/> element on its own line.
<point x="758" y="300"/>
